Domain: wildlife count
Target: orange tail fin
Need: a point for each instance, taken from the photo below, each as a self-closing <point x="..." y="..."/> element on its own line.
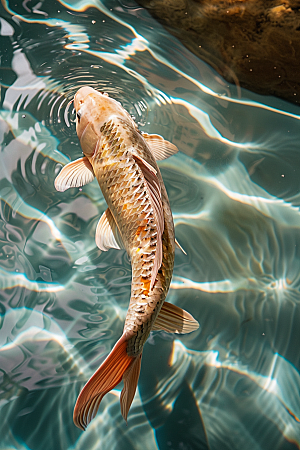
<point x="117" y="366"/>
<point x="130" y="378"/>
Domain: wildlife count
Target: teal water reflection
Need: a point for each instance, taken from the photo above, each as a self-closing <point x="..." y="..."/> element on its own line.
<point x="234" y="191"/>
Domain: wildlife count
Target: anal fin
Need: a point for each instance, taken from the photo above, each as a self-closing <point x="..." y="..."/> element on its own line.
<point x="173" y="319"/>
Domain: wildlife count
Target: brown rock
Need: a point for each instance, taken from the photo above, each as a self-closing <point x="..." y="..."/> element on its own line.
<point x="254" y="43"/>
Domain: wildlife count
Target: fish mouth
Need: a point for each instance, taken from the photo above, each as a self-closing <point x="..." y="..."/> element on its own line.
<point x="81" y="94"/>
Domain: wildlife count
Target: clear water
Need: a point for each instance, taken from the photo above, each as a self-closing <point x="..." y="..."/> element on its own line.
<point x="234" y="190"/>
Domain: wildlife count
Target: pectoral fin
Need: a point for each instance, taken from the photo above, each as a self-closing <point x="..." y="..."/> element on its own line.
<point x="173" y="319"/>
<point x="75" y="174"/>
<point x="107" y="233"/>
<point x="160" y="148"/>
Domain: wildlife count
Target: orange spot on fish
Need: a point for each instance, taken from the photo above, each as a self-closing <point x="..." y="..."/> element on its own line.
<point x="139" y="230"/>
<point x="146" y="285"/>
<point x="141" y="227"/>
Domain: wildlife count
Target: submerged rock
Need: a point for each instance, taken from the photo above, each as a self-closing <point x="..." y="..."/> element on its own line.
<point x="254" y="43"/>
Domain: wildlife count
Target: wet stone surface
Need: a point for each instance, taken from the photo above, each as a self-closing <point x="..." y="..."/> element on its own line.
<point x="253" y="43"/>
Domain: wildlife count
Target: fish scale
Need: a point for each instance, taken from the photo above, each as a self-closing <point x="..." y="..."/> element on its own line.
<point x="120" y="180"/>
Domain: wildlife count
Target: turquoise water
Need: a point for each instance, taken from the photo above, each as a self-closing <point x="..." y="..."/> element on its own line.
<point x="234" y="191"/>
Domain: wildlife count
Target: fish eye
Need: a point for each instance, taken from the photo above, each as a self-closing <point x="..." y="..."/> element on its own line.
<point x="79" y="116"/>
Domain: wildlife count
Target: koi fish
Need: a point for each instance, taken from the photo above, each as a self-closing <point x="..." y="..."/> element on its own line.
<point x="138" y="219"/>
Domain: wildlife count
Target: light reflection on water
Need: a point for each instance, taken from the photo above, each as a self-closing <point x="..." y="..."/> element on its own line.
<point x="234" y="190"/>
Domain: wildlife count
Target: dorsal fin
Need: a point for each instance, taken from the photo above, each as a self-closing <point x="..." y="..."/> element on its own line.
<point x="150" y="175"/>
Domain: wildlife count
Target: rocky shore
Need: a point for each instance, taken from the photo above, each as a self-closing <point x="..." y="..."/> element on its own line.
<point x="254" y="43"/>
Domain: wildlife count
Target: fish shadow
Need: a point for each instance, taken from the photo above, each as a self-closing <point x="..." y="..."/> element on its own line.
<point x="184" y="428"/>
<point x="177" y="428"/>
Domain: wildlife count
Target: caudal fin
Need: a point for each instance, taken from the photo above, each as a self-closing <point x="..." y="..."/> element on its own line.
<point x="130" y="378"/>
<point x="117" y="366"/>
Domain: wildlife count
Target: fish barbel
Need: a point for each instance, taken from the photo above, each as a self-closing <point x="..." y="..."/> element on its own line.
<point x="139" y="219"/>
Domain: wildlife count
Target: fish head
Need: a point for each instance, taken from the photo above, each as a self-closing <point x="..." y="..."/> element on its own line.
<point x="93" y="109"/>
<point x="86" y="104"/>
